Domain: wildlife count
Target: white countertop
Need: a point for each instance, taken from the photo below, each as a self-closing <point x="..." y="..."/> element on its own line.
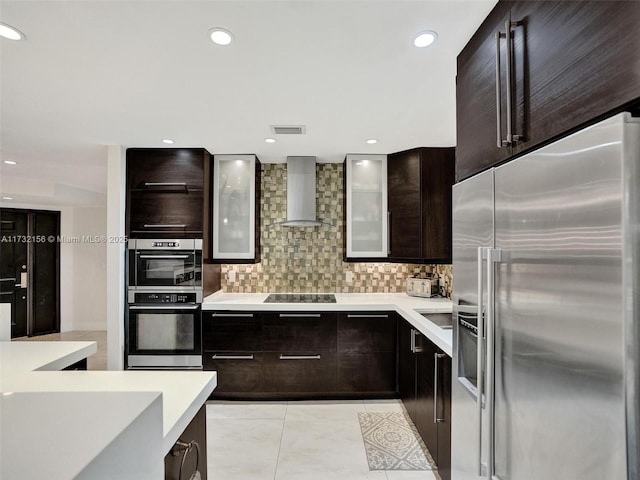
<point x="410" y="308"/>
<point x="114" y="424"/>
<point x="30" y="356"/>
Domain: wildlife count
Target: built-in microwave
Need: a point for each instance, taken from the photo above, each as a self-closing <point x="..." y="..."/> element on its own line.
<point x="172" y="265"/>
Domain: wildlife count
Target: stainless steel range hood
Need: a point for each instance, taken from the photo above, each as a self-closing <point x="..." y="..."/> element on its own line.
<point x="301" y="193"/>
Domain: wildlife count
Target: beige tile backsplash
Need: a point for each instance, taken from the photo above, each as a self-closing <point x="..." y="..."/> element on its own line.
<point x="309" y="259"/>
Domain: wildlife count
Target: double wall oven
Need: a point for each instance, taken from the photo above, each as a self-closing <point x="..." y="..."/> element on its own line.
<point x="164" y="321"/>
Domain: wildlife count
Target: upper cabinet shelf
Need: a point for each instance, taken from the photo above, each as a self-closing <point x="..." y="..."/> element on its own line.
<point x="236" y="209"/>
<point x="166" y="192"/>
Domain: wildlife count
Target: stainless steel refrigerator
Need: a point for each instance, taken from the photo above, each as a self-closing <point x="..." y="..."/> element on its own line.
<point x="546" y="253"/>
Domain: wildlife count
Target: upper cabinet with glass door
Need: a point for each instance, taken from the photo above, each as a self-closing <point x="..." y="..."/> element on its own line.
<point x="366" y="207"/>
<point x="236" y="186"/>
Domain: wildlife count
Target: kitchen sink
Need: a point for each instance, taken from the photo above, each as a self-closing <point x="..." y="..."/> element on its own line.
<point x="442" y="320"/>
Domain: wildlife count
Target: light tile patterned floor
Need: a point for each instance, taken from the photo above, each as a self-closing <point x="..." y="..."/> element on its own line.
<point x="316" y="440"/>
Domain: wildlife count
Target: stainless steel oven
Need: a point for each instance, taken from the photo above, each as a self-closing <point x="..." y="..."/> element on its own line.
<point x="165" y="265"/>
<point x="164" y="330"/>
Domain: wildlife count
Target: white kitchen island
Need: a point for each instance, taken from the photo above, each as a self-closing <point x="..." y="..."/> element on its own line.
<point x="93" y="425"/>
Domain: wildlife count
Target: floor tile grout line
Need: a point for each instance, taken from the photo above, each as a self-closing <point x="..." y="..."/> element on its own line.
<point x="284" y="421"/>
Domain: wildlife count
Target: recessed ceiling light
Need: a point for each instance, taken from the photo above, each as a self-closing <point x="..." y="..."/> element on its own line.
<point x="10" y="33"/>
<point x="168" y="141"/>
<point x="9" y="162"/>
<point x="424" y="39"/>
<point x="220" y="36"/>
<point x="7" y="198"/>
<point x="371" y="141"/>
<point x="270" y="140"/>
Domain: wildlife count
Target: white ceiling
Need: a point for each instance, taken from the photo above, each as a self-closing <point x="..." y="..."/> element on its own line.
<point x="97" y="73"/>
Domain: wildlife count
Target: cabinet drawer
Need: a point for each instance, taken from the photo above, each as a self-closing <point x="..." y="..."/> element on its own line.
<point x="367" y="372"/>
<point x="365" y="332"/>
<point x="167" y="212"/>
<point x="148" y="167"/>
<point x="296" y="372"/>
<point x="232" y="332"/>
<point x="237" y="371"/>
<point x="309" y="332"/>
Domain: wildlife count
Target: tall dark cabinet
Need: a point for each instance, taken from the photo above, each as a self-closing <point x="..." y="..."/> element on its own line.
<point x="535" y="71"/>
<point x="419" y="185"/>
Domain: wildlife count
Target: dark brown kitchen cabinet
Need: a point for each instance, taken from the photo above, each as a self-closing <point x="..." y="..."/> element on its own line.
<point x="419" y="185"/>
<point x="367" y="353"/>
<point x="232" y="346"/>
<point x="301" y="354"/>
<point x="167" y="192"/>
<point x="407" y="367"/>
<point x="424" y="385"/>
<point x="190" y="451"/>
<point x="300" y="332"/>
<point x="562" y="66"/>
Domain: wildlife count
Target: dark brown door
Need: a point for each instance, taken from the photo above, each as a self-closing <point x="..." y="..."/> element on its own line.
<point x="425" y="397"/>
<point x="406" y="368"/>
<point x="573" y="62"/>
<point x="13" y="263"/>
<point x="476" y="98"/>
<point x="30" y="264"/>
<point x="405" y="221"/>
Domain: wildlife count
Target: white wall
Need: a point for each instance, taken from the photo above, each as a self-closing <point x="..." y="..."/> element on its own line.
<point x="89" y="269"/>
<point x="115" y="256"/>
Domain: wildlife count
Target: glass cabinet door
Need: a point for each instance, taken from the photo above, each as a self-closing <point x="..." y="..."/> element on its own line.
<point x="366" y="212"/>
<point x="234" y="194"/>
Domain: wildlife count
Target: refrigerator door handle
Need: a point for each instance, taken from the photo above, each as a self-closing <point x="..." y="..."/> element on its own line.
<point x="493" y="256"/>
<point x="482" y="256"/>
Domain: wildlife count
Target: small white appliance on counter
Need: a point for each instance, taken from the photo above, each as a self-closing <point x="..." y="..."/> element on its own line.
<point x="422" y="287"/>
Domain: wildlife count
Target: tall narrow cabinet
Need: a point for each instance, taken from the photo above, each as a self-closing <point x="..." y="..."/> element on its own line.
<point x="236" y="211"/>
<point x="366" y="221"/>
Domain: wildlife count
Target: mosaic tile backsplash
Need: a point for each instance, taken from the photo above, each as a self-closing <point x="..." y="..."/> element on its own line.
<point x="309" y="259"/>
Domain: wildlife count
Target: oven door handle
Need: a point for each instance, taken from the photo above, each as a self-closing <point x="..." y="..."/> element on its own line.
<point x="164" y="257"/>
<point x="174" y="307"/>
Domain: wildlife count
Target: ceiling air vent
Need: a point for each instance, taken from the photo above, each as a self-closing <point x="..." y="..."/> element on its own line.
<point x="288" y="129"/>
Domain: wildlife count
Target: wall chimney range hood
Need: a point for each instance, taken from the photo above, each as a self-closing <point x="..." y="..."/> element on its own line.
<point x="301" y="193"/>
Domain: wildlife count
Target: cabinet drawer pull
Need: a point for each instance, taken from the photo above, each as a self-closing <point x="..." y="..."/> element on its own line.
<point x="298" y="315"/>
<point x="175" y="225"/>
<point x="350" y="315"/>
<point x="231" y="357"/>
<point x="300" y="357"/>
<point x="235" y="315"/>
<point x="165" y="184"/>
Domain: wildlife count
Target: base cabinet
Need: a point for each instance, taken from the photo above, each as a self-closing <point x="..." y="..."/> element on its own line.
<point x="190" y="451"/>
<point x="424" y="385"/>
<point x="301" y="354"/>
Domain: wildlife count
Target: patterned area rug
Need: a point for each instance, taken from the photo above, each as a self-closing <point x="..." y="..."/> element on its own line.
<point x="393" y="443"/>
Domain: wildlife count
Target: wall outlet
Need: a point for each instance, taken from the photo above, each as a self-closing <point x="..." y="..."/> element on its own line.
<point x="348" y="276"/>
<point x="231" y="276"/>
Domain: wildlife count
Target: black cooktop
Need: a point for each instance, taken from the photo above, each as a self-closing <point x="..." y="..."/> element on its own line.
<point x="301" y="298"/>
